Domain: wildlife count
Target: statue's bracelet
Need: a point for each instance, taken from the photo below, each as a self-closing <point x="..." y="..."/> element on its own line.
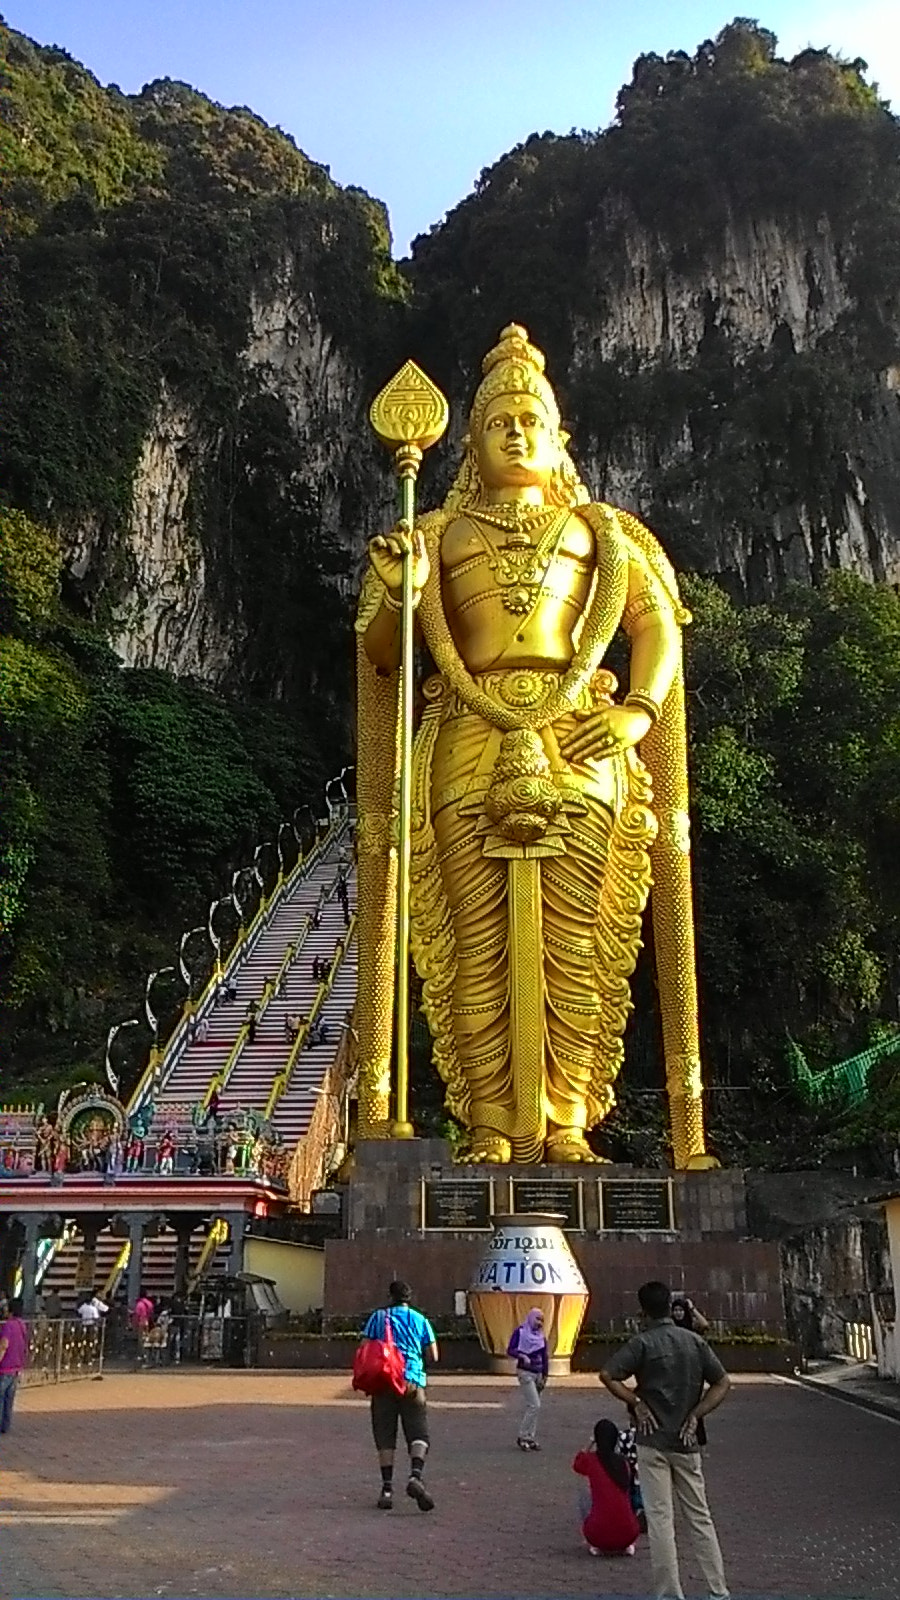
<point x="388" y="600"/>
<point x="643" y="702"/>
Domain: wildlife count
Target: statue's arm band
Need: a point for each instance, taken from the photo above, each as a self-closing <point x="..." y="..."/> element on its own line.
<point x="644" y="702"/>
<point x="645" y="604"/>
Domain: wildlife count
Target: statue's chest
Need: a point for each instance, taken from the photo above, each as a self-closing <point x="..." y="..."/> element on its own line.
<point x="515" y="566"/>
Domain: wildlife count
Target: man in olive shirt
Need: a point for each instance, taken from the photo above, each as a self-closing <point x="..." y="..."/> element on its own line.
<point x="671" y="1367"/>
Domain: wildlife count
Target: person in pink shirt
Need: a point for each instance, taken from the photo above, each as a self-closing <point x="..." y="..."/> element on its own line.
<point x="141" y="1319"/>
<point x="13" y="1360"/>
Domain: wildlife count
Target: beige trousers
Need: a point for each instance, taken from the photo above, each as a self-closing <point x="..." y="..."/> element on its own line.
<point x="669" y="1480"/>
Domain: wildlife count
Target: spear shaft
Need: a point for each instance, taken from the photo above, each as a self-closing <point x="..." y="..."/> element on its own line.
<point x="407" y="462"/>
<point x="409" y="415"/>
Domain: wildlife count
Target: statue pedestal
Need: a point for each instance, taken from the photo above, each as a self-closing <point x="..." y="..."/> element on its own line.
<point x="413" y="1186"/>
<point x="413" y="1214"/>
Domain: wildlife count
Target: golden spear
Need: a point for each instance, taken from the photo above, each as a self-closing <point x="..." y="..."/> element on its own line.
<point x="409" y="416"/>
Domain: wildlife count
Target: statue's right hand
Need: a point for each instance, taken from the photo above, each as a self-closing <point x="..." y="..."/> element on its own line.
<point x="386" y="556"/>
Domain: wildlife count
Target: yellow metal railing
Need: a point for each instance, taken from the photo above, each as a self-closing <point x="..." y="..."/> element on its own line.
<point x="282" y="1079"/>
<point x="217" y="1235"/>
<point x="114" y="1275"/>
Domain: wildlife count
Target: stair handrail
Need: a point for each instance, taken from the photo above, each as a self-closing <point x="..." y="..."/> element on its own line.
<point x="53" y="1249"/>
<point x="282" y="1079"/>
<point x="114" y="1276"/>
<point x="217" y="1235"/>
<point x="161" y="1065"/>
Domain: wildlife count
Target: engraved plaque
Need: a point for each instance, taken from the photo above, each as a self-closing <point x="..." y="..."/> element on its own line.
<point x="562" y="1195"/>
<point x="636" y="1205"/>
<point x="463" y="1205"/>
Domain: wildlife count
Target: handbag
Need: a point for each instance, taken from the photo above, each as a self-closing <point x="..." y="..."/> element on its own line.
<point x="379" y="1367"/>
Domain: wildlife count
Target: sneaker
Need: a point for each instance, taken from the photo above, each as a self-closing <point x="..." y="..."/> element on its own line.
<point x="592" y="1550"/>
<point x="418" y="1492"/>
<point x="630" y="1550"/>
<point x="532" y="1444"/>
<point x="386" y="1499"/>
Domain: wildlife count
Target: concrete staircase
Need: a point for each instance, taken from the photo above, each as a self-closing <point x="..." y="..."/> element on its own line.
<point x="157" y="1276"/>
<point x="258" y="1063"/>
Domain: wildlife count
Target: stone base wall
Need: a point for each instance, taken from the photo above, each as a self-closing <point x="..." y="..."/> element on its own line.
<point x="734" y="1282"/>
<point x="385" y="1192"/>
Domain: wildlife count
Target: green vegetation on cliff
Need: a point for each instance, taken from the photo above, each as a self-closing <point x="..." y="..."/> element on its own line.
<point x="128" y="796"/>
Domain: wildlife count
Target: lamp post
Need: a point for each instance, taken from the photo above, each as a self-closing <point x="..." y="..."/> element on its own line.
<point x="344" y="784"/>
<point x="245" y="877"/>
<point x="344" y="799"/>
<point x="267" y="844"/>
<point x="182" y="964"/>
<point x="111" y="1076"/>
<point x="214" y="939"/>
<point x="152" y="1018"/>
<point x="311" y="823"/>
<point x="278" y="846"/>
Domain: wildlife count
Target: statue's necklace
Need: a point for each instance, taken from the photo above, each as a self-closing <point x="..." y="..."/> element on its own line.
<point x="519" y="567"/>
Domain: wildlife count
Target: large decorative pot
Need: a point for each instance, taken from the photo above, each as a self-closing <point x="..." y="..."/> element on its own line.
<point x="527" y="1262"/>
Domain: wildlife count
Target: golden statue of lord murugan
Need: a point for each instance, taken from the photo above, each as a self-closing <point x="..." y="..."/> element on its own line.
<point x="536" y="826"/>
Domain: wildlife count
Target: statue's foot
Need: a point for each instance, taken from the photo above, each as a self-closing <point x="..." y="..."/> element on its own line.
<point x="704" y="1163"/>
<point x="569" y="1144"/>
<point x="487" y="1146"/>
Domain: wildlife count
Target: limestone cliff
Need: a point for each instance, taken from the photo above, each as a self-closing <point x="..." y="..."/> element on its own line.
<point x="770" y="290"/>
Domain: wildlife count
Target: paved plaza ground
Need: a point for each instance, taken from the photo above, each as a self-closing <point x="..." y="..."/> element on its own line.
<point x="258" y="1484"/>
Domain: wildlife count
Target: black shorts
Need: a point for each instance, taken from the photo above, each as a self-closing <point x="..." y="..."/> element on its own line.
<point x="389" y="1408"/>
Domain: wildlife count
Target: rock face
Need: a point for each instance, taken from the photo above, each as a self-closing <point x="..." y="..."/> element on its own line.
<point x="182" y="606"/>
<point x="835" y="1259"/>
<point x="767" y="308"/>
<point x="169" y="618"/>
<point x="764" y="276"/>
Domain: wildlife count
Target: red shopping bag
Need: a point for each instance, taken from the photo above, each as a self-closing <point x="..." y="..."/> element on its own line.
<point x="378" y="1364"/>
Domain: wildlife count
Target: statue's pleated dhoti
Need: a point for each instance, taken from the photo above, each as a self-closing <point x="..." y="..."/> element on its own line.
<point x="537" y="1027"/>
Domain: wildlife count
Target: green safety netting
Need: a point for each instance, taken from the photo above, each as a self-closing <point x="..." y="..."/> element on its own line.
<point x="848" y="1080"/>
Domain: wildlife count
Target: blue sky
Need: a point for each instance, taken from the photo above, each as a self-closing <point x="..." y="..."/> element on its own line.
<point x="411" y="99"/>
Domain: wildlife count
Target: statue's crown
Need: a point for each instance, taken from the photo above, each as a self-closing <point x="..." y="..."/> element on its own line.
<point x="514" y="345"/>
<point x="514" y="366"/>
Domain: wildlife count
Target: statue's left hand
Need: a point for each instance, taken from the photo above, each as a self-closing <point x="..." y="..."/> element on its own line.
<point x="604" y="733"/>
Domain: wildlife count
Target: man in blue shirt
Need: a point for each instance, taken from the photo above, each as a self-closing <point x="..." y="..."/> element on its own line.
<point x="414" y="1336"/>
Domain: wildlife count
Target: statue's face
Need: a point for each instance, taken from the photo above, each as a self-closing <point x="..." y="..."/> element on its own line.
<point x="519" y="445"/>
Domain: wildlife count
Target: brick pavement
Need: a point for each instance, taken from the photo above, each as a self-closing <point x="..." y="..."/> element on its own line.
<point x="226" y="1485"/>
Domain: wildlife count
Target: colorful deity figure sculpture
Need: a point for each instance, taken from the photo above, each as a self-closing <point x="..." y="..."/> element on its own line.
<point x="165" y="1152"/>
<point x="544" y="800"/>
<point x="46" y="1145"/>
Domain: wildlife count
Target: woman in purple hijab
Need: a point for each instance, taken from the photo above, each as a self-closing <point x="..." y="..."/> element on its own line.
<point x="528" y="1347"/>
